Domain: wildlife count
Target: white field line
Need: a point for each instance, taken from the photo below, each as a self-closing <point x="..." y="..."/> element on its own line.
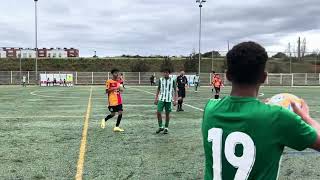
<point x="83" y="106"/>
<point x="55" y="97"/>
<point x="36" y="117"/>
<point x="155" y="94"/>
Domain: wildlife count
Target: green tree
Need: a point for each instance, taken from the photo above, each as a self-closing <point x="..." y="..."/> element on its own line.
<point x="209" y="54"/>
<point x="280" y="55"/>
<point x="167" y="64"/>
<point x="140" y="66"/>
<point x="191" y="64"/>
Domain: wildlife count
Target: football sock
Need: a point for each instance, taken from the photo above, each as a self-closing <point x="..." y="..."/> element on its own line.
<point x="119" y="120"/>
<point x="167" y="123"/>
<point x="160" y="123"/>
<point x="181" y="103"/>
<point x="108" y="117"/>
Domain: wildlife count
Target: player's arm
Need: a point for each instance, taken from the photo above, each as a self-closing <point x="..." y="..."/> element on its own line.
<point x="297" y="131"/>
<point x="175" y="94"/>
<point x="157" y="94"/>
<point x="110" y="89"/>
<point x="304" y="114"/>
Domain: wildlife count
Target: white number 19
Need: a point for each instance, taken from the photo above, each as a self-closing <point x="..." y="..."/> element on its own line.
<point x="243" y="164"/>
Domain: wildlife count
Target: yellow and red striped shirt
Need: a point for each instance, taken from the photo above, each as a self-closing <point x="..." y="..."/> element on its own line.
<point x="114" y="97"/>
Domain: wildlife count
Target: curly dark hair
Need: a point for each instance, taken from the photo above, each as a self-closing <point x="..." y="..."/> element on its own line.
<point x="114" y="70"/>
<point x="246" y="63"/>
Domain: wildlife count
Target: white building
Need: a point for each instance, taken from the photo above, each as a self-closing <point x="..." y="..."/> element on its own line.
<point x="26" y="53"/>
<point x="57" y="53"/>
<point x="3" y="54"/>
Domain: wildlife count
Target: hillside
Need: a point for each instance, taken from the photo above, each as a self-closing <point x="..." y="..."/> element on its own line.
<point x="151" y="64"/>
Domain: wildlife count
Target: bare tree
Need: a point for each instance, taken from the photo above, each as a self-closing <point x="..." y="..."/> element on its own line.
<point x="299" y="49"/>
<point x="289" y="53"/>
<point x="303" y="47"/>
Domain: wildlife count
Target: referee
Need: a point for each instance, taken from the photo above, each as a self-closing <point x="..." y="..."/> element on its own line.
<point x="182" y="82"/>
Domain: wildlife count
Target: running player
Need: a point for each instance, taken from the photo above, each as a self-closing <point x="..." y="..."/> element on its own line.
<point x="213" y="75"/>
<point x="217" y="84"/>
<point x="182" y="82"/>
<point x="114" y="100"/>
<point x="196" y="81"/>
<point x="24" y="78"/>
<point x="245" y="138"/>
<point x="166" y="93"/>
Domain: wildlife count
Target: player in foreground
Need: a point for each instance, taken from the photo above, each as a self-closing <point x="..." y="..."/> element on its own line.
<point x="113" y="90"/>
<point x="243" y="137"/>
<point x="216" y="85"/>
<point x="166" y="93"/>
<point x="182" y="82"/>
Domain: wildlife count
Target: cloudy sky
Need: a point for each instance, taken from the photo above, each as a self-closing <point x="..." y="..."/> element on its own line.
<point x="166" y="27"/>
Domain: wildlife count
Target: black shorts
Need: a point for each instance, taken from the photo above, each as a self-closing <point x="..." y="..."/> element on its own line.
<point x="217" y="89"/>
<point x="114" y="109"/>
<point x="182" y="92"/>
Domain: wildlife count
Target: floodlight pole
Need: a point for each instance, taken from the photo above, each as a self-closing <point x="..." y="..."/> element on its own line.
<point x="20" y="65"/>
<point x="36" y="36"/>
<point x="200" y="6"/>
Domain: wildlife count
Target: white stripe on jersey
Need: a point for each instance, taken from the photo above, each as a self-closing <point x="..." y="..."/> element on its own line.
<point x="166" y="89"/>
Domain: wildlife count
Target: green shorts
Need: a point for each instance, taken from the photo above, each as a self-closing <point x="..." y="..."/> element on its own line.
<point x="164" y="105"/>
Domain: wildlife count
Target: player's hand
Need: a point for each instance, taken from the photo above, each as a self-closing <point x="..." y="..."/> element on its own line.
<point x="175" y="103"/>
<point x="156" y="102"/>
<point x="266" y="100"/>
<point x="303" y="112"/>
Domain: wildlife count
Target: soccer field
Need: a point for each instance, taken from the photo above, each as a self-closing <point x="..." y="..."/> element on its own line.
<point x="54" y="133"/>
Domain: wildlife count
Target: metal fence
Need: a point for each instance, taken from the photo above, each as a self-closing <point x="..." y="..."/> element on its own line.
<point x="143" y="78"/>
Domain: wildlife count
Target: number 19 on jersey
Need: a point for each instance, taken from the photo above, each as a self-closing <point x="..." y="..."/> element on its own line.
<point x="243" y="163"/>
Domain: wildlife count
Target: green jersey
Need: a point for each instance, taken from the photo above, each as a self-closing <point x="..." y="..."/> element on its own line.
<point x="167" y="87"/>
<point x="244" y="138"/>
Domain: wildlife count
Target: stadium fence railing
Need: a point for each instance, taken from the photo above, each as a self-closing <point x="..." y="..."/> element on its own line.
<point x="143" y="78"/>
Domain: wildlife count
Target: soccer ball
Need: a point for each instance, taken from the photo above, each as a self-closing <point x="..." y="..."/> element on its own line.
<point x="121" y="88"/>
<point x="284" y="100"/>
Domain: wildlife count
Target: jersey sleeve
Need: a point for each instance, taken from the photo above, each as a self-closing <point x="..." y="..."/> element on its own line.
<point x="107" y="84"/>
<point x="293" y="132"/>
<point x="159" y="85"/>
<point x="174" y="85"/>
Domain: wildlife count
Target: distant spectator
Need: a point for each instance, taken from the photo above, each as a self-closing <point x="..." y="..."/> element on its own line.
<point x="152" y="80"/>
<point x="24" y="78"/>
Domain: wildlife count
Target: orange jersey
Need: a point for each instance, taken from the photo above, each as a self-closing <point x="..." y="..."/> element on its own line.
<point x="114" y="97"/>
<point x="217" y="82"/>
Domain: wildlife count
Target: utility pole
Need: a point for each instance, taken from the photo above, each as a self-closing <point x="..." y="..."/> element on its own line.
<point x="299" y="49"/>
<point x="36" y="36"/>
<point x="200" y="6"/>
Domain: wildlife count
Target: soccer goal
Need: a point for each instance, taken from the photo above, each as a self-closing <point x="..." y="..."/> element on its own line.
<point x="64" y="80"/>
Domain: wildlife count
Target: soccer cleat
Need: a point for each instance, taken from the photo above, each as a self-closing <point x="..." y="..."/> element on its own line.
<point x="103" y="124"/>
<point x="159" y="130"/>
<point x="117" y="129"/>
<point x="166" y="131"/>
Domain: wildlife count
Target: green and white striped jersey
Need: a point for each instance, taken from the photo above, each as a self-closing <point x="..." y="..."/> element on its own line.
<point x="166" y="87"/>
